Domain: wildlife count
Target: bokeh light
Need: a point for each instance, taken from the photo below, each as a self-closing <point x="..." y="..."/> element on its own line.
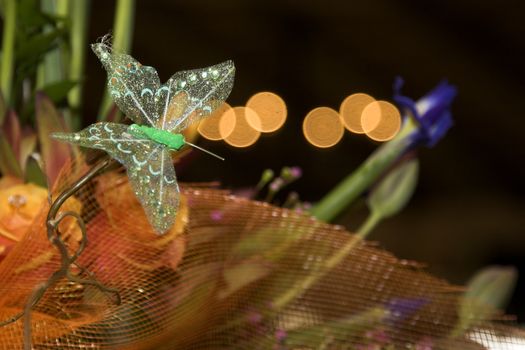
<point x="219" y="124"/>
<point x="351" y="109"/>
<point x="271" y="110"/>
<point x="322" y="127"/>
<point x="243" y="134"/>
<point x="381" y="120"/>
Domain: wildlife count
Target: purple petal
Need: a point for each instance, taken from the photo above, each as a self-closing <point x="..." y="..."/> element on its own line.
<point x="432" y="112"/>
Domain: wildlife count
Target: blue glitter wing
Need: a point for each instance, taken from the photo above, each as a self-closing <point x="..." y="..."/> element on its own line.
<point x="149" y="166"/>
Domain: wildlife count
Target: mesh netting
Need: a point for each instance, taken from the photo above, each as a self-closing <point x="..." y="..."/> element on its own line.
<point x="231" y="274"/>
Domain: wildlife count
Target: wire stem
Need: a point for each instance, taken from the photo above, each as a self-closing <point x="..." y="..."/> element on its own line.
<point x="54" y="218"/>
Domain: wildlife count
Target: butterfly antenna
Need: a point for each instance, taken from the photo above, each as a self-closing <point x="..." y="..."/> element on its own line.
<point x="204" y="150"/>
<point x="106" y="40"/>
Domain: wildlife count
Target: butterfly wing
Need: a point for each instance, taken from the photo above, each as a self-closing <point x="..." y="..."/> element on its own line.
<point x="132" y="86"/>
<point x="149" y="166"/>
<point x="156" y="187"/>
<point x="191" y="95"/>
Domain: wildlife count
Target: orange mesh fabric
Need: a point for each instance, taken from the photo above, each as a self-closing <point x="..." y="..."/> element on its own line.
<point x="231" y="274"/>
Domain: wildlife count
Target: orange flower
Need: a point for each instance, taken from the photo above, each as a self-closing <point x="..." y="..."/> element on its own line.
<point x="19" y="204"/>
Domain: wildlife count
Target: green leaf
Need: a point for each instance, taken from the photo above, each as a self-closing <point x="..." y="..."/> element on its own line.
<point x="38" y="45"/>
<point x="3" y="108"/>
<point x="30" y="15"/>
<point x="27" y="147"/>
<point x="58" y="91"/>
<point x="35" y="173"/>
<point x="54" y="153"/>
<point x="8" y="162"/>
<point x="487" y="292"/>
<point x="395" y="190"/>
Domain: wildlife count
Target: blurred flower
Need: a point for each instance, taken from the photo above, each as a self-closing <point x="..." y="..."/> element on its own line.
<point x="431" y="112"/>
<point x="217" y="215"/>
<point x="276" y="185"/>
<point x="424" y="344"/>
<point x="254" y="317"/>
<point x="290" y="174"/>
<point x="280" y="335"/>
<point x="431" y="119"/>
<point x="402" y="308"/>
<point x="378" y="335"/>
<point x="19" y="205"/>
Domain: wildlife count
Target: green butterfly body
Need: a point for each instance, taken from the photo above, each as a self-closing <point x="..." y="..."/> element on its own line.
<point x="166" y="138"/>
<point x="161" y="113"/>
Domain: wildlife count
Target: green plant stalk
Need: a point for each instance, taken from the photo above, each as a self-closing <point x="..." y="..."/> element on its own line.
<point x="304" y="284"/>
<point x="51" y="69"/>
<point x="122" y="35"/>
<point x="328" y="264"/>
<point x="370" y="223"/>
<point x="8" y="50"/>
<point x="63" y="9"/>
<point x="361" y="179"/>
<point x="78" y="17"/>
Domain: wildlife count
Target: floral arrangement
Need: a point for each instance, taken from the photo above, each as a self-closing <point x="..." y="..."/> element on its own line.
<point x="100" y="253"/>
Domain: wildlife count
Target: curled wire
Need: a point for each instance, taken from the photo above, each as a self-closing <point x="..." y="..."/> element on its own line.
<point x="54" y="218"/>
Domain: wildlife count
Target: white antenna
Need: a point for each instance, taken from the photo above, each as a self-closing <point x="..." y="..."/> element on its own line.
<point x="204" y="150"/>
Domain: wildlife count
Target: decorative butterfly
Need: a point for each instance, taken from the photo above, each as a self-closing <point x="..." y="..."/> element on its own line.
<point x="161" y="113"/>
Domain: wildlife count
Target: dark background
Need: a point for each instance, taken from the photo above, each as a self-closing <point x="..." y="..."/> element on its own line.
<point x="468" y="211"/>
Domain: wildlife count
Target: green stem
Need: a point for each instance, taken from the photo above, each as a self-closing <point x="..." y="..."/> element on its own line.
<point x="51" y="69"/>
<point x="370" y="223"/>
<point x="79" y="24"/>
<point x="8" y="49"/>
<point x="305" y="283"/>
<point x="123" y="25"/>
<point x="356" y="183"/>
<point x="328" y="264"/>
<point x="122" y="34"/>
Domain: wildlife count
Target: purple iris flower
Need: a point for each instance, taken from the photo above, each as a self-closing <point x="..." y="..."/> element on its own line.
<point x="431" y="112"/>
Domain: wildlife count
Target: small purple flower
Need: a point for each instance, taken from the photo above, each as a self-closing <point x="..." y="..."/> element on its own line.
<point x="424" y="344"/>
<point x="276" y="184"/>
<point x="402" y="308"/>
<point x="379" y="336"/>
<point x="254" y="317"/>
<point x="296" y="172"/>
<point x="216" y="215"/>
<point x="431" y="112"/>
<point x="280" y="335"/>
<point x="289" y="174"/>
